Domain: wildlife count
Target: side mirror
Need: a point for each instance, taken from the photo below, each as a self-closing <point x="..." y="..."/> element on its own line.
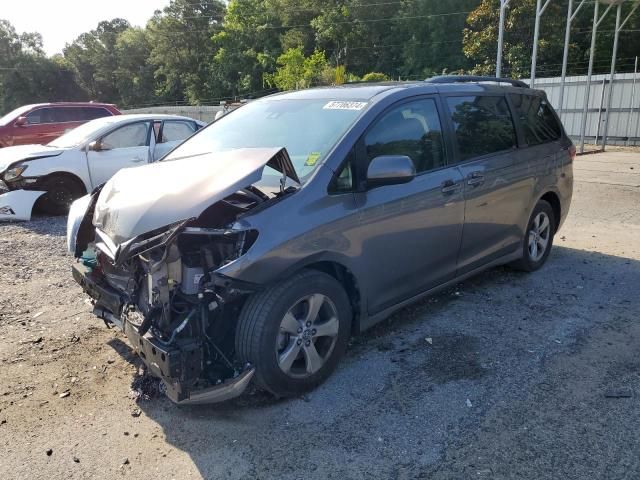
<point x="390" y="170"/>
<point x="21" y="122"/>
<point x="96" y="146"/>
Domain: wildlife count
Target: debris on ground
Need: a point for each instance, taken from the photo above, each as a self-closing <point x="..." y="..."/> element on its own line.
<point x="144" y="387"/>
<point x="65" y="394"/>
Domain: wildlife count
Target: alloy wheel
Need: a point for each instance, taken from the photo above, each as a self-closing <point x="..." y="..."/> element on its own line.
<point x="539" y="235"/>
<point x="307" y="336"/>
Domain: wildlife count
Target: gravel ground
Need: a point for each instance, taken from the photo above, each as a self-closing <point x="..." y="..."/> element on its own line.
<point x="508" y="375"/>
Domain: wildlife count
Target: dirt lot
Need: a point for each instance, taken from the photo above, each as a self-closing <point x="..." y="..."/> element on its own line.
<point x="523" y="376"/>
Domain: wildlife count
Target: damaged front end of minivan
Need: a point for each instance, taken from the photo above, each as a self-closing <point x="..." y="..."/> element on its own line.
<point x="149" y="245"/>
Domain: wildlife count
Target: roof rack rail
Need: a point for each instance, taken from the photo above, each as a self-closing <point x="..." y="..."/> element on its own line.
<point x="475" y="78"/>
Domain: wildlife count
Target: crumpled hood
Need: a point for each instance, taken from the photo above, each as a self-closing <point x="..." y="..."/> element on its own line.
<point x="138" y="200"/>
<point x="9" y="155"/>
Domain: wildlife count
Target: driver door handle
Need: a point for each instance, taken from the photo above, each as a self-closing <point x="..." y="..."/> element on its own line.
<point x="137" y="159"/>
<point x="449" y="186"/>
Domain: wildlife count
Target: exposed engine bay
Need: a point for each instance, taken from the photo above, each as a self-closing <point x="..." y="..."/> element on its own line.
<point x="161" y="288"/>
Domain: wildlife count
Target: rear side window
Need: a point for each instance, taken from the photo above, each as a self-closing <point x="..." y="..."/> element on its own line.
<point x="411" y="129"/>
<point x="67" y="114"/>
<point x="482" y="124"/>
<point x="539" y="124"/>
<point x="91" y="113"/>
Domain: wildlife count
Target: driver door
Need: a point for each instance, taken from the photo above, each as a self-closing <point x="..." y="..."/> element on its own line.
<point x="410" y="233"/>
<point x="126" y="146"/>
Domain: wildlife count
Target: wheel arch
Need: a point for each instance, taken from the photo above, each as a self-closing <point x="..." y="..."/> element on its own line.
<point x="67" y="175"/>
<point x="337" y="266"/>
<point x="553" y="199"/>
<point x="349" y="282"/>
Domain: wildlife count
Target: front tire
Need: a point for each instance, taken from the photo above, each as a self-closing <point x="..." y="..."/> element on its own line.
<point x="295" y="332"/>
<point x="538" y="238"/>
<point x="61" y="193"/>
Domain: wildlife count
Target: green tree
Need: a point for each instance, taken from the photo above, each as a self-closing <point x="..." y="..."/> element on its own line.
<point x="182" y="49"/>
<point x="135" y="75"/>
<point x="28" y="76"/>
<point x="295" y="71"/>
<point x="248" y="46"/>
<point x="94" y="56"/>
<point x="375" y="77"/>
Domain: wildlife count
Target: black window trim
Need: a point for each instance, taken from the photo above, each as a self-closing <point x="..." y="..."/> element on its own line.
<point x="456" y="151"/>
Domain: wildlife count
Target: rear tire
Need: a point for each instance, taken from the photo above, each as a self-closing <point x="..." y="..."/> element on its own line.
<point x="295" y="332"/>
<point x="61" y="192"/>
<point x="538" y="238"/>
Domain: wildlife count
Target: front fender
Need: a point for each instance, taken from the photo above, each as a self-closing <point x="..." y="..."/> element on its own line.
<point x="71" y="162"/>
<point x="18" y="204"/>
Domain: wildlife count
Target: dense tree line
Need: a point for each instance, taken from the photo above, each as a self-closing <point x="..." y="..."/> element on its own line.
<point x="202" y="51"/>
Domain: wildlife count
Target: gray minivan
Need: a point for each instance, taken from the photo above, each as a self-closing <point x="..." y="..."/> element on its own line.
<point x="255" y="249"/>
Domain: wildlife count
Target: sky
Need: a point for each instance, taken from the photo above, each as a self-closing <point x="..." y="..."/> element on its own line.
<point x="61" y="21"/>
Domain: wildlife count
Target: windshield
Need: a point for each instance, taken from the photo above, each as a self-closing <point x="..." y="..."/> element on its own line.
<point x="307" y="128"/>
<point x="14" y="114"/>
<point x="78" y="135"/>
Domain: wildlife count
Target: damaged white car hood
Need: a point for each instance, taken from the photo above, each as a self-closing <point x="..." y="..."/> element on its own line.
<point x="138" y="200"/>
<point x="9" y="155"/>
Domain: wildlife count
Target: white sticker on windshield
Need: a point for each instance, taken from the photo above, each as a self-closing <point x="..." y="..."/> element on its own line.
<point x="340" y="105"/>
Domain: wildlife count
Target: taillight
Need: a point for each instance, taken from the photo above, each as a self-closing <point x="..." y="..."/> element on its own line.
<point x="572" y="152"/>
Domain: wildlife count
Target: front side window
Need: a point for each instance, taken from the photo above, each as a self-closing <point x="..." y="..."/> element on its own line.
<point x="41" y="115"/>
<point x="539" y="124"/>
<point x="482" y="124"/>
<point x="343" y="182"/>
<point x="177" y="131"/>
<point x="127" y="137"/>
<point x="411" y="129"/>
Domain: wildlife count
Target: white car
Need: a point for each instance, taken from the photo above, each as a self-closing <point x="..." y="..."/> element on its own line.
<point x="80" y="160"/>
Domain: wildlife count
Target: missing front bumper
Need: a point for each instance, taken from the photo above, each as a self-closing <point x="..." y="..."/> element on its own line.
<point x="179" y="365"/>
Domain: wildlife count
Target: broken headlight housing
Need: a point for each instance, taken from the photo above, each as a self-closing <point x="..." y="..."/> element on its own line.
<point x="14" y="172"/>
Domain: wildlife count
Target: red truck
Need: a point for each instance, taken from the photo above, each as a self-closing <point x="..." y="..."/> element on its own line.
<point x="41" y="123"/>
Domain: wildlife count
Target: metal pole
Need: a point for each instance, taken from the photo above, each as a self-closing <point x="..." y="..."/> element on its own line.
<point x="503" y="6"/>
<point x="536" y="33"/>
<point x="616" y="35"/>
<point x="633" y="94"/>
<point x="565" y="56"/>
<point x="604" y="87"/>
<point x="594" y="32"/>
<point x="613" y="71"/>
